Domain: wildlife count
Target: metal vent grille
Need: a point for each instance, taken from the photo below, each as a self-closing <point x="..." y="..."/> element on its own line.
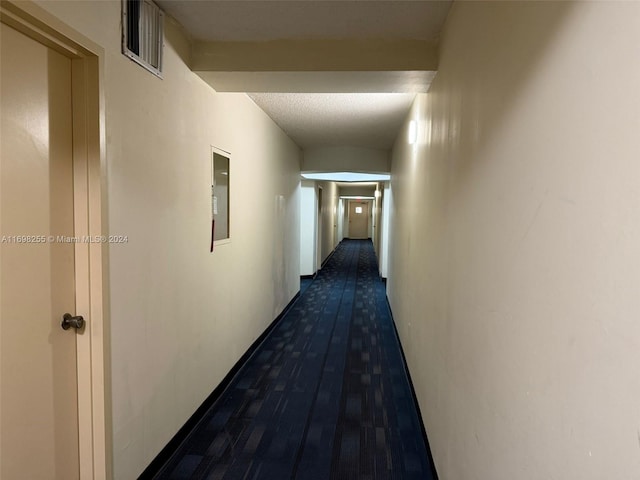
<point x="142" y="29"/>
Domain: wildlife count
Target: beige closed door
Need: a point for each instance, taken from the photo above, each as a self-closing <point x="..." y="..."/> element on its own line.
<point x="38" y="386"/>
<point x="358" y="219"/>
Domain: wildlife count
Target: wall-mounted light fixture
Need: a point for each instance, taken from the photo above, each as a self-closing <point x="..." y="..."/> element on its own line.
<point x="413" y="132"/>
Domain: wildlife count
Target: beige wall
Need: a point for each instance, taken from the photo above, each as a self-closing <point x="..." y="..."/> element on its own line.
<point x="376" y="228"/>
<point x="515" y="260"/>
<point x="329" y="218"/>
<point x="181" y="316"/>
<point x="317" y="237"/>
<point x="385" y="215"/>
<point x="308" y="227"/>
<point x="357" y="190"/>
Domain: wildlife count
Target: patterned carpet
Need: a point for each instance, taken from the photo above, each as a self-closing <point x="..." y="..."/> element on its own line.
<point x="324" y="397"/>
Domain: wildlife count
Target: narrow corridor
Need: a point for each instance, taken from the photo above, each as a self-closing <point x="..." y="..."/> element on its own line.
<point x="325" y="396"/>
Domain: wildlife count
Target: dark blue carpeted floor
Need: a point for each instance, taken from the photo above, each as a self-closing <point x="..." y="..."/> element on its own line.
<point x="324" y="397"/>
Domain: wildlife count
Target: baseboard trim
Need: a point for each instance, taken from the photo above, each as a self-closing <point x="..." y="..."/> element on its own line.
<point x="324" y="262"/>
<point x="167" y="452"/>
<point x="413" y="394"/>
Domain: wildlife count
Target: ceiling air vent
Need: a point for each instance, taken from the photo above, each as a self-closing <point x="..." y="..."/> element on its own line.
<point x="142" y="23"/>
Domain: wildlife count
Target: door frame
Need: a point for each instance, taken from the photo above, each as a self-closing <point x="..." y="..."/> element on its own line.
<point x="369" y="203"/>
<point x="89" y="196"/>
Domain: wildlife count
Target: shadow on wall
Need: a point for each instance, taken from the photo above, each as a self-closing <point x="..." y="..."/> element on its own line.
<point x="513" y="233"/>
<point x="456" y="225"/>
<point x="176" y="37"/>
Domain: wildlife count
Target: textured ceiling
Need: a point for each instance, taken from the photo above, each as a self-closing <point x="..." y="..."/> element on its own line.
<point x="337" y="119"/>
<point x="244" y="20"/>
<point x="319" y="107"/>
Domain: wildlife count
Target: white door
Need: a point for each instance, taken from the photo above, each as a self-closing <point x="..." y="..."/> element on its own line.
<point x="358" y="219"/>
<point x="38" y="386"/>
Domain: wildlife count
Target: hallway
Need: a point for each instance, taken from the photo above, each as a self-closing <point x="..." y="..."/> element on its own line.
<point x="324" y="396"/>
<point x="504" y="213"/>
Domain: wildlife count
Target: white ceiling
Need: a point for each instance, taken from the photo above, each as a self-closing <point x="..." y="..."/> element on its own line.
<point x="247" y="20"/>
<point x="320" y="108"/>
<point x="337" y="119"/>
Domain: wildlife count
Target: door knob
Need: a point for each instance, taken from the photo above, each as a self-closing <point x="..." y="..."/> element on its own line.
<point x="69" y="321"/>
